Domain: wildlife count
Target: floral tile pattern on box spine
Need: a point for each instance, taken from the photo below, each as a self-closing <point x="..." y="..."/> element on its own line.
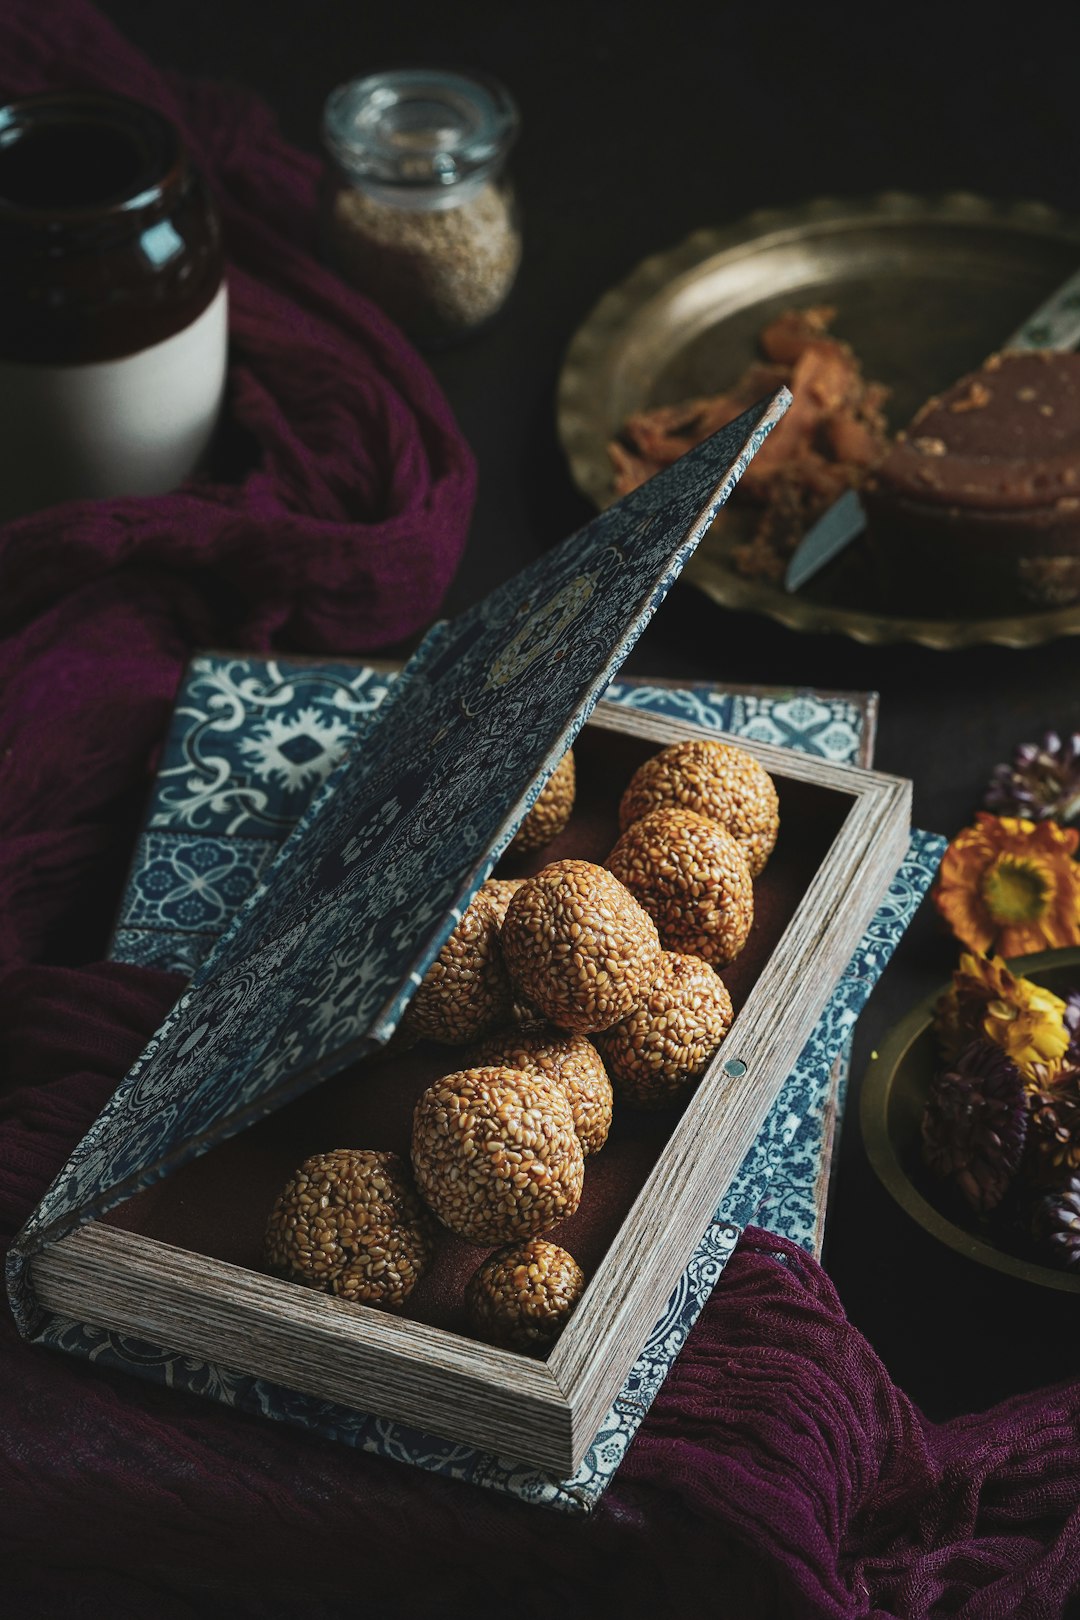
<point x="830" y="725"/>
<point x="798" y="1098"/>
<point x="252" y="739"/>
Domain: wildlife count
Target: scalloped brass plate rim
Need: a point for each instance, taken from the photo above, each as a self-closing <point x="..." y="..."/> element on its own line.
<point x="583" y="433"/>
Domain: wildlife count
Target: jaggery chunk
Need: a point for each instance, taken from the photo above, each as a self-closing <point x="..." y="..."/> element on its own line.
<point x="981" y="494"/>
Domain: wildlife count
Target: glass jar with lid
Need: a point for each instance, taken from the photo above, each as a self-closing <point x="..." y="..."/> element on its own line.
<point x="418" y="210"/>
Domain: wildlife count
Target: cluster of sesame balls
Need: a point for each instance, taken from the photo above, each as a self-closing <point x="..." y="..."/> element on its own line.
<point x="582" y="985"/>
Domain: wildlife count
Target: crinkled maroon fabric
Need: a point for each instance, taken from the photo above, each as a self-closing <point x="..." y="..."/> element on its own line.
<point x="780" y="1472"/>
<point x="337" y="529"/>
<point x="341" y="524"/>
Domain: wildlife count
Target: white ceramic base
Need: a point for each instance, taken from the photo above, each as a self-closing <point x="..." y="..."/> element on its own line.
<point x="133" y="426"/>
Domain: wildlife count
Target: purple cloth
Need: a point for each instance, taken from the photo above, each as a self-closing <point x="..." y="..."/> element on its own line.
<point x="780" y="1472"/>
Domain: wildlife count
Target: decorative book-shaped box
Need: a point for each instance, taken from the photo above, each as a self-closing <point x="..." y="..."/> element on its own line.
<point x="250" y="743"/>
<point x="308" y="982"/>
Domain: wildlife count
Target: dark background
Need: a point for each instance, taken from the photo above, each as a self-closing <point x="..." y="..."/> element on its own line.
<point x="640" y="125"/>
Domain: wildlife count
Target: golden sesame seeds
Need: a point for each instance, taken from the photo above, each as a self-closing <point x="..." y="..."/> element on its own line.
<point x="500" y="892"/>
<point x="713" y="779"/>
<point x="691" y="876"/>
<point x="466" y="989"/>
<point x="523" y="1295"/>
<point x="495" y="1153"/>
<point x="666" y="1043"/>
<point x="571" y="1061"/>
<point x="578" y="945"/>
<point x="552" y="810"/>
<point x="349" y="1222"/>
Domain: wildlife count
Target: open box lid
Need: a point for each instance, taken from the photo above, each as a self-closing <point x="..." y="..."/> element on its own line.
<point x="322" y="959"/>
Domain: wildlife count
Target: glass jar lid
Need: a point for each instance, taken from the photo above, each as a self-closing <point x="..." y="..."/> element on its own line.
<point x="419" y="137"/>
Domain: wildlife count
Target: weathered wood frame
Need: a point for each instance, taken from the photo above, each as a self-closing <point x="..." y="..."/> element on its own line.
<point x="544" y="1412"/>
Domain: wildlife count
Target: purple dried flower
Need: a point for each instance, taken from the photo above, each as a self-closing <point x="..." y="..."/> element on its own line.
<point x="1054" y="1116"/>
<point x="1071" y="1017"/>
<point x="1056" y="1223"/>
<point x="975" y="1124"/>
<point x="1041" y="784"/>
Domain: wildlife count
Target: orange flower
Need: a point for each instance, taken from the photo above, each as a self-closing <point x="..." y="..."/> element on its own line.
<point x="1011" y="886"/>
<point x="1024" y="1019"/>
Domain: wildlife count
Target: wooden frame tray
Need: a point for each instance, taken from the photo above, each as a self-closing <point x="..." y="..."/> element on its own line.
<point x="545" y="1412"/>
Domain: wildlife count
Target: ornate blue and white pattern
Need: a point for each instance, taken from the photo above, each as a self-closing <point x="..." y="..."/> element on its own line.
<point x="800" y="1096"/>
<point x="321" y="960"/>
<point x="833" y="725"/>
<point x="252" y="738"/>
<point x="192" y="884"/>
<point x="800" y="1148"/>
<point x="169" y="952"/>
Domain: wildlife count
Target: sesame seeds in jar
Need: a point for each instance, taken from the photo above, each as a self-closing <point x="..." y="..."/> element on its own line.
<point x="418" y="212"/>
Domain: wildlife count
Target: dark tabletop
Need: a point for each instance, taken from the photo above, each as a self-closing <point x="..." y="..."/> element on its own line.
<point x="641" y="124"/>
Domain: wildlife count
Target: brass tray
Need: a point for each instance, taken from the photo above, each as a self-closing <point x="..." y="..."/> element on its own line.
<point x="891" y="1104"/>
<point x="924" y="288"/>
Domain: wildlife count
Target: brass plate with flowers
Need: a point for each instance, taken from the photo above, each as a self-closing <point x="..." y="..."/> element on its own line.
<point x="924" y="288"/>
<point x="895" y="1091"/>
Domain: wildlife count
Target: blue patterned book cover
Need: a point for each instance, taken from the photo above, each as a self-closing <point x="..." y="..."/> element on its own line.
<point x="251" y="743"/>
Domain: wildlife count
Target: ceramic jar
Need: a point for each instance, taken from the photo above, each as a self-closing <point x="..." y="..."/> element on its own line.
<point x="112" y="303"/>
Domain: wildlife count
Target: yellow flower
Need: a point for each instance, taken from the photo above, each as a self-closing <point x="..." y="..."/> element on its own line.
<point x="1032" y="1033"/>
<point x="1011" y="886"/>
<point x="1024" y="1019"/>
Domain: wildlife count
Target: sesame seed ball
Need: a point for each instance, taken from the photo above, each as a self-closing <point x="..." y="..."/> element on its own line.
<point x="578" y="945"/>
<point x="466" y="989"/>
<point x="571" y="1061"/>
<point x="714" y="779"/>
<point x="500" y="891"/>
<point x="551" y="812"/>
<point x="692" y="878"/>
<point x="523" y="1295"/>
<point x="668" y="1041"/>
<point x="495" y="1153"/>
<point x="350" y="1223"/>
